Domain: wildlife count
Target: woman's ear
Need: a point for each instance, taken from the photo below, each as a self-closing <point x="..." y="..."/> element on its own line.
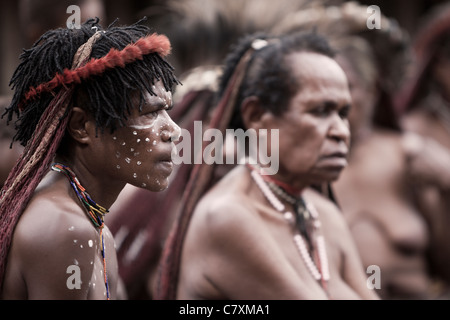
<point x="79" y="126"/>
<point x="252" y="112"/>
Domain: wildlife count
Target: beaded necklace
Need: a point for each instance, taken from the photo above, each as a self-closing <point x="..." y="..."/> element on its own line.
<point x="95" y="212"/>
<point x="307" y="223"/>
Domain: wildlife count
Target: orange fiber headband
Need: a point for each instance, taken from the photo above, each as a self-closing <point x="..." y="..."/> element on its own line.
<point x="153" y="43"/>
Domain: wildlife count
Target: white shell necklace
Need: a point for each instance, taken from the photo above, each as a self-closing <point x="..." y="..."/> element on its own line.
<point x="320" y="273"/>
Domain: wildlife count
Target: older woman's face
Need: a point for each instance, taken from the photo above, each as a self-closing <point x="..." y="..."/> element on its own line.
<point x="314" y="131"/>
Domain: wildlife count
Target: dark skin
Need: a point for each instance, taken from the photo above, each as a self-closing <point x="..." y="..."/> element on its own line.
<point x="54" y="231"/>
<point x="225" y="254"/>
<point x="376" y="194"/>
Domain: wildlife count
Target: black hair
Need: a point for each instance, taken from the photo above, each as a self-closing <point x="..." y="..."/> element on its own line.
<point x="268" y="76"/>
<point x="107" y="96"/>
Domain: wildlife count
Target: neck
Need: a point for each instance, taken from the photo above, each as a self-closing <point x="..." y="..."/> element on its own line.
<point x="101" y="190"/>
<point x="293" y="189"/>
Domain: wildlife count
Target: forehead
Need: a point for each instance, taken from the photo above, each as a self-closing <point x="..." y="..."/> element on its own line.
<point x="159" y="99"/>
<point x="319" y="74"/>
<point x="161" y="95"/>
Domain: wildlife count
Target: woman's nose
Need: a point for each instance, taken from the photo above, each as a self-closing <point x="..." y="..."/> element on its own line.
<point x="340" y="129"/>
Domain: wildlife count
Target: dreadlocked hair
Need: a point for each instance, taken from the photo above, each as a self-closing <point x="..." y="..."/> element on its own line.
<point x="125" y="60"/>
<point x="268" y="76"/>
<point x="105" y="96"/>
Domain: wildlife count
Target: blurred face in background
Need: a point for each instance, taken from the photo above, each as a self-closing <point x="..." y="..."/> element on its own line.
<point x="361" y="76"/>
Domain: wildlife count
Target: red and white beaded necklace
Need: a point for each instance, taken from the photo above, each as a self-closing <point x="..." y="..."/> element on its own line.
<point x="320" y="272"/>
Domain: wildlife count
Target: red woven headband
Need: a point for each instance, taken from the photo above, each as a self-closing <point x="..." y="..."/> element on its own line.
<point x="115" y="58"/>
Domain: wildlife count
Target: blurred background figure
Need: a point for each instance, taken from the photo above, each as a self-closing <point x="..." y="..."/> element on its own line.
<point x="425" y="99"/>
<point x="424" y="103"/>
<point x="377" y="190"/>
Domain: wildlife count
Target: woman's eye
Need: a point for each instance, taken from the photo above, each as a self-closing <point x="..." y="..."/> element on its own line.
<point x="321" y="111"/>
<point x="344" y="112"/>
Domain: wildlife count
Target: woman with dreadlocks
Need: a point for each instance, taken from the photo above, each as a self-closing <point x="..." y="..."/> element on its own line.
<point x="92" y="114"/>
<point x="261" y="235"/>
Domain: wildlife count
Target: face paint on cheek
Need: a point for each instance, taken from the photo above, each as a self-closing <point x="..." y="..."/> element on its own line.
<point x="142" y="126"/>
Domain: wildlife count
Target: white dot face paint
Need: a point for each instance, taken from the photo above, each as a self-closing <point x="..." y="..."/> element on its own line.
<point x="142" y="152"/>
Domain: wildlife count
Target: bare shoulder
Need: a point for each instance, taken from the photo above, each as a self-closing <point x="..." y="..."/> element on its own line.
<point x="48" y="224"/>
<point x="52" y="235"/>
<point x="227" y="206"/>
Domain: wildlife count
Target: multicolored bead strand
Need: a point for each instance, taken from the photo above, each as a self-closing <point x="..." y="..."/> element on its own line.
<point x="95" y="212"/>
